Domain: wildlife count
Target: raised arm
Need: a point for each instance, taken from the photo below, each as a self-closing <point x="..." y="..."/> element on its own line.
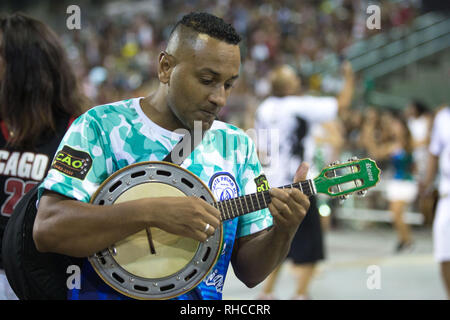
<point x="346" y="95"/>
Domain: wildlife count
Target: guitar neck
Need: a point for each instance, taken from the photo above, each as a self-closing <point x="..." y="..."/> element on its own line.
<point x="235" y="207"/>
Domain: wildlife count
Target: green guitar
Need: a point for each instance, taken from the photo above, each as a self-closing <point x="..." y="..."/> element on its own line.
<point x="337" y="180"/>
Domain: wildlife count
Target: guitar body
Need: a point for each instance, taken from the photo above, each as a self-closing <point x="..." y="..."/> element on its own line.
<point x="152" y="263"/>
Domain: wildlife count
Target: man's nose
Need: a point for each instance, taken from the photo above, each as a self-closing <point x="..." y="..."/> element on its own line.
<point x="218" y="97"/>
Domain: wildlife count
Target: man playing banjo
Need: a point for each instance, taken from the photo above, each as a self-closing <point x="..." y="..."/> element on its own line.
<point x="196" y="73"/>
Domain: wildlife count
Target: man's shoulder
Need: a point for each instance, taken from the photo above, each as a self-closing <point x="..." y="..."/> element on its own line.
<point x="107" y="110"/>
<point x="231" y="133"/>
<point x="227" y="128"/>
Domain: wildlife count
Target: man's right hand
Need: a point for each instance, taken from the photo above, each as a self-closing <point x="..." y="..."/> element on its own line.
<point x="187" y="217"/>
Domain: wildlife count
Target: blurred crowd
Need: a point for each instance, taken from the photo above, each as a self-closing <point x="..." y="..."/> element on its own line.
<point x="115" y="54"/>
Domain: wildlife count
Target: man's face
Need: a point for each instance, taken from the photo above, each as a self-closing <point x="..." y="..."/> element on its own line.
<point x="201" y="81"/>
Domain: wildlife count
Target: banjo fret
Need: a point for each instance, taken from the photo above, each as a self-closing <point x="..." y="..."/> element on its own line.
<point x="227" y="212"/>
<point x="230" y="212"/>
<point x="237" y="205"/>
<point x="240" y="203"/>
<point x="253" y="206"/>
<point x="226" y="209"/>
<point x="254" y="195"/>
<point x="246" y="204"/>
<point x="264" y="199"/>
<point x="222" y="209"/>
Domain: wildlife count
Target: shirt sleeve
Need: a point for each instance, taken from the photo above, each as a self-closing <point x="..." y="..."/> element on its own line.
<point x="251" y="172"/>
<point x="81" y="163"/>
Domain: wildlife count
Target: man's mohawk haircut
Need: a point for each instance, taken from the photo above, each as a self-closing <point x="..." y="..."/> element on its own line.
<point x="211" y="25"/>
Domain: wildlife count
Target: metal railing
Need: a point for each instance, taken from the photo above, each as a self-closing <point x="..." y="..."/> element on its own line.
<point x="389" y="51"/>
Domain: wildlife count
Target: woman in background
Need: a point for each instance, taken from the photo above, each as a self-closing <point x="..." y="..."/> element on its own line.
<point x="39" y="98"/>
<point x="396" y="146"/>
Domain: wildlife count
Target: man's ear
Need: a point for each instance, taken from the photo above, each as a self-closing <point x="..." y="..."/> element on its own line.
<point x="166" y="63"/>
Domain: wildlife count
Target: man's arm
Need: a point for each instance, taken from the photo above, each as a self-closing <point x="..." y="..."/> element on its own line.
<point x="256" y="256"/>
<point x="79" y="229"/>
<point x="430" y="174"/>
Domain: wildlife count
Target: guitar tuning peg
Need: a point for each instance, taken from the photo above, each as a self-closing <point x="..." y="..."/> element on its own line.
<point x="343" y="197"/>
<point x="362" y="192"/>
<point x="335" y="163"/>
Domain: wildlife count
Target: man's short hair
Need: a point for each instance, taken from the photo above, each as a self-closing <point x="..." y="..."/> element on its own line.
<point x="211" y="25"/>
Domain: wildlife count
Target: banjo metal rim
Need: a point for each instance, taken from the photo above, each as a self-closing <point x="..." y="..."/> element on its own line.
<point x="202" y="268"/>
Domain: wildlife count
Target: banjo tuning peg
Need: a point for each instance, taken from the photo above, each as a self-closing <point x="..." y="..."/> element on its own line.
<point x="342" y="199"/>
<point x="362" y="193"/>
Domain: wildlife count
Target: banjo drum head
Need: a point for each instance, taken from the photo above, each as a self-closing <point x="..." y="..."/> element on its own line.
<point x="171" y="265"/>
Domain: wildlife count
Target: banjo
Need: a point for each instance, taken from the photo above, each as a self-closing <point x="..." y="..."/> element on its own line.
<point x="154" y="264"/>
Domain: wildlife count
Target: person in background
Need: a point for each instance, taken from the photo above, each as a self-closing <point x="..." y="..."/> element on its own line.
<point x="284" y="125"/>
<point x="439" y="161"/>
<point x="419" y="119"/>
<point x="39" y="97"/>
<point x="396" y="146"/>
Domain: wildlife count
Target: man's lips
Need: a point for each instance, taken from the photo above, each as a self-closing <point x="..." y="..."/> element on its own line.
<point x="209" y="113"/>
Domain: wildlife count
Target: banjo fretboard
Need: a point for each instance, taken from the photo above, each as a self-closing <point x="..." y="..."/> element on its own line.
<point x="235" y="207"/>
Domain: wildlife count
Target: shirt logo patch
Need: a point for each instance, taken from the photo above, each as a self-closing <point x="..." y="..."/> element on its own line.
<point x="223" y="186"/>
<point x="261" y="183"/>
<point x="73" y="163"/>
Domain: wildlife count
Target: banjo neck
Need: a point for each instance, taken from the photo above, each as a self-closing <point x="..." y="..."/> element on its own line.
<point x="235" y="207"/>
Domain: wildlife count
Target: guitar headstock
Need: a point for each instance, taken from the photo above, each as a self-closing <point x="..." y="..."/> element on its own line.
<point x="342" y="179"/>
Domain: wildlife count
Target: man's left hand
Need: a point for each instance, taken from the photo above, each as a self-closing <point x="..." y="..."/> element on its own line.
<point x="289" y="206"/>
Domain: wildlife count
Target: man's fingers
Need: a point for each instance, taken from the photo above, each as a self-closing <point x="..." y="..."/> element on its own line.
<point x="209" y="229"/>
<point x="211" y="220"/>
<point x="290" y="196"/>
<point x="279" y="193"/>
<point x="276" y="214"/>
<point x="210" y="208"/>
<point x="281" y="207"/>
<point x="299" y="197"/>
<point x="290" y="201"/>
